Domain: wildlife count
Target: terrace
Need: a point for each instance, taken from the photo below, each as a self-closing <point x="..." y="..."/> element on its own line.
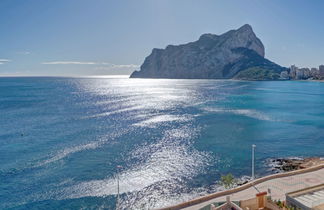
<point x="308" y="198"/>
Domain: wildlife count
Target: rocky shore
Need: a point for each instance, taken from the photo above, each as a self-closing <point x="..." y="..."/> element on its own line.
<point x="290" y="164"/>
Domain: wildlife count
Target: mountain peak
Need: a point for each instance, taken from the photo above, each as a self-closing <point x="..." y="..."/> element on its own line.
<point x="207" y="36"/>
<point x="246" y="34"/>
<point x="212" y="56"/>
<point x="245" y="27"/>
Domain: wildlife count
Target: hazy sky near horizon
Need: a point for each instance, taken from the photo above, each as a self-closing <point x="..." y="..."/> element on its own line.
<point x="98" y="37"/>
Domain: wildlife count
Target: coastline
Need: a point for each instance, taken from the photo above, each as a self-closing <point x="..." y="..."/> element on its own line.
<point x="244" y="191"/>
<point x="282" y="165"/>
<point x="316" y="80"/>
<point x="286" y="167"/>
<point x="187" y="156"/>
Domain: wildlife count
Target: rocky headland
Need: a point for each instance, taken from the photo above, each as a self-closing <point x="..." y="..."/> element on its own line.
<point x="291" y="164"/>
<point x="236" y="54"/>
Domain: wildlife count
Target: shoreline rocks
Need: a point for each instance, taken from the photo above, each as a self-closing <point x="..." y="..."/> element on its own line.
<point x="290" y="164"/>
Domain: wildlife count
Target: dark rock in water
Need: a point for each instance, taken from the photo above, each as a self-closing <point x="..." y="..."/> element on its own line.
<point x="291" y="164"/>
<point x="236" y="54"/>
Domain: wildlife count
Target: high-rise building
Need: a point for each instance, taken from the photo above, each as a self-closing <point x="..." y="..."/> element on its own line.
<point x="321" y="71"/>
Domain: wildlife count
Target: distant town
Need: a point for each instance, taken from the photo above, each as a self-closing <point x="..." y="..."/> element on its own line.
<point x="295" y="73"/>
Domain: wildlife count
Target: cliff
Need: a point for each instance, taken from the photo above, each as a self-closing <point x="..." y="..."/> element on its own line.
<point x="212" y="57"/>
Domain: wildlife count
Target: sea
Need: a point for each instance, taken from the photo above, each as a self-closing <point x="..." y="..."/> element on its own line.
<point x="68" y="143"/>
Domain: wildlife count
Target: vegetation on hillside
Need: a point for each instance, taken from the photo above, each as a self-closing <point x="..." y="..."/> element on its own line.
<point x="257" y="73"/>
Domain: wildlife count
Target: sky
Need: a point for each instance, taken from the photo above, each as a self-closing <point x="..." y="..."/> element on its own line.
<point x="103" y="37"/>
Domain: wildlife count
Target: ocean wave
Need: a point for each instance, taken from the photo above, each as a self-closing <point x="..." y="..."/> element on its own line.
<point x="118" y="111"/>
<point x="61" y="154"/>
<point x="163" y="165"/>
<point x="162" y="119"/>
<point x="67" y="151"/>
<point x="244" y="112"/>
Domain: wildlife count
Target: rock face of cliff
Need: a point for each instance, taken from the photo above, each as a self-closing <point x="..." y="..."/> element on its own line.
<point x="210" y="57"/>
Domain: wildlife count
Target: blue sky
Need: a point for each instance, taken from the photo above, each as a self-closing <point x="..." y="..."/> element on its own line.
<point x="91" y="37"/>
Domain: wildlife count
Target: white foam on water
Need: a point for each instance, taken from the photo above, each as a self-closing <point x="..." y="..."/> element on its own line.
<point x="252" y="114"/>
<point x="67" y="151"/>
<point x="244" y="112"/>
<point x="274" y="165"/>
<point x="162" y="165"/>
<point x="63" y="153"/>
<point x="117" y="111"/>
<point x="161" y="119"/>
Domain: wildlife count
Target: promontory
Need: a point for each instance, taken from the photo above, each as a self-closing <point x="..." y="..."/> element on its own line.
<point x="237" y="54"/>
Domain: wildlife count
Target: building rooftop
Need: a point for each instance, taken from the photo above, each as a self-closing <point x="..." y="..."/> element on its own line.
<point x="311" y="198"/>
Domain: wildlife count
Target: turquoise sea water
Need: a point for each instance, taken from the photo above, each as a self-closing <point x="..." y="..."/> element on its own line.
<point x="61" y="139"/>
